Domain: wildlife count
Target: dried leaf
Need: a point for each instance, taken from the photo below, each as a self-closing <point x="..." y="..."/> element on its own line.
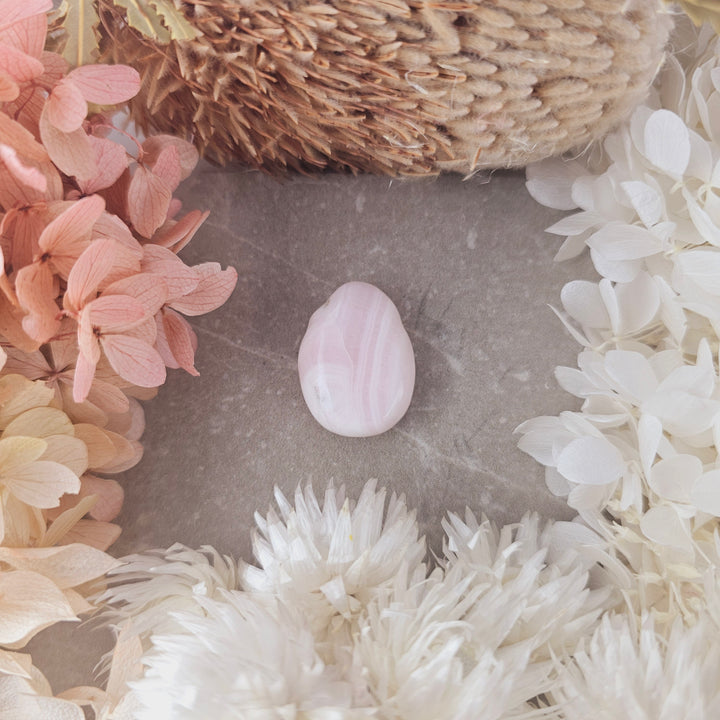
<point x="174" y="20"/>
<point x="79" y="23"/>
<point x="143" y="18"/>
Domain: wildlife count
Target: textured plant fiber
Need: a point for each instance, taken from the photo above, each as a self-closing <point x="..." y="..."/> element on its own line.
<point x="390" y="86"/>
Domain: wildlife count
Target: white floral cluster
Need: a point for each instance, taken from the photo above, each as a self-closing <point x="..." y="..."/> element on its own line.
<point x="639" y="461"/>
<point x="341" y="618"/>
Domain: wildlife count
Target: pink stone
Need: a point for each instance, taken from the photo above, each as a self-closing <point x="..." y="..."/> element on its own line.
<point x="356" y="362"/>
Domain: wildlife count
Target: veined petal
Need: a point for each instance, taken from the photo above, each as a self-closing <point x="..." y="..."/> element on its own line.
<point x="18" y="451"/>
<point x="41" y="484"/>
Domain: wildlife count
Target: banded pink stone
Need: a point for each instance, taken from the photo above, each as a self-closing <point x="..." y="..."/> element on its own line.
<point x="356" y="362"/>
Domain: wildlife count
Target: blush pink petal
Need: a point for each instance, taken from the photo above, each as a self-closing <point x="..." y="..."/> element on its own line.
<point x="177" y="235"/>
<point x="109" y="495"/>
<point x="36" y="291"/>
<point x="111" y="160"/>
<point x="148" y="201"/>
<point x="114" y="313"/>
<point x="187" y="152"/>
<point x="106" y="84"/>
<point x="214" y="288"/>
<point x="68" y="235"/>
<point x="12" y="11"/>
<point x="149" y="290"/>
<point x="82" y="380"/>
<point x="108" y="397"/>
<point x="167" y="166"/>
<point x="71" y="152"/>
<point x="90" y="269"/>
<point x="87" y="341"/>
<point x="178" y="277"/>
<point x="9" y="89"/>
<point x="180" y="339"/>
<point x="19" y="65"/>
<point x="66" y="107"/>
<point x="27" y="34"/>
<point x="134" y="360"/>
<point x="25" y="174"/>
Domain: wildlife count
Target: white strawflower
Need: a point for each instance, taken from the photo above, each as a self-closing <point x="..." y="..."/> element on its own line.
<point x="630" y="673"/>
<point x="242" y="658"/>
<point x="145" y="591"/>
<point x="330" y="561"/>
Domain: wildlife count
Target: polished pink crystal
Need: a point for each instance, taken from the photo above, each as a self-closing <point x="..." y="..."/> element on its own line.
<point x="356" y="362"/>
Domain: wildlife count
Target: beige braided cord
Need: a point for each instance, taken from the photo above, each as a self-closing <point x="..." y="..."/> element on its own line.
<point x="395" y="87"/>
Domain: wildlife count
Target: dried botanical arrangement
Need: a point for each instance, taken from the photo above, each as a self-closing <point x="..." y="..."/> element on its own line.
<point x="613" y="615"/>
<point x="389" y="87"/>
<point x="92" y="303"/>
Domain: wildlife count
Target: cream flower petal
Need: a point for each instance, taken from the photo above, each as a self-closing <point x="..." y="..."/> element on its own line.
<point x="28" y="603"/>
<point x="42" y="483"/>
<point x="67" y="566"/>
<point x="40" y="422"/>
<point x="18" y="451"/>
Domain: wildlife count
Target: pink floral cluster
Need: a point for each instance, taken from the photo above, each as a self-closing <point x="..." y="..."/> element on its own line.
<point x="92" y="292"/>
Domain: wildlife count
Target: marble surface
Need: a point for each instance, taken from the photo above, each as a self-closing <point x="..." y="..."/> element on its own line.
<point x="470" y="269"/>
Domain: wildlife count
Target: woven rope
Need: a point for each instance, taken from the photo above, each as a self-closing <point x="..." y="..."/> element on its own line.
<point x="391" y="86"/>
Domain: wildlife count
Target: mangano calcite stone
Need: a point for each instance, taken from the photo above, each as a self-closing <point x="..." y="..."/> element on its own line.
<point x="403" y="87"/>
<point x="356" y="362"/>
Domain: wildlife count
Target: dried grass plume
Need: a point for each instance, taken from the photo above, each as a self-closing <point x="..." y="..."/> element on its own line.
<point x="390" y="86"/>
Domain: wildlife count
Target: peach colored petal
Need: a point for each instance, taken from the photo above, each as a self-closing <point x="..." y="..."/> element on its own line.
<point x="215" y="287"/>
<point x="66" y="108"/>
<point x="107" y="397"/>
<point x="84" y="372"/>
<point x="114" y="313"/>
<point x="40" y="422"/>
<point x="111" y="160"/>
<point x="178" y="277"/>
<point x="106" y="84"/>
<point x="56" y="68"/>
<point x="100" y="535"/>
<point x="134" y="360"/>
<point x="32" y="365"/>
<point x="71" y="152"/>
<point x="9" y="89"/>
<point x="67" y="236"/>
<point x="101" y="449"/>
<point x="25" y="174"/>
<point x="11" y="327"/>
<point x="27" y="34"/>
<point x="167" y="166"/>
<point x="21" y="140"/>
<point x="19" y="65"/>
<point x="128" y="454"/>
<point x="148" y="201"/>
<point x="12" y="11"/>
<point x="110" y="497"/>
<point x="90" y="269"/>
<point x="179" y="336"/>
<point x="149" y="290"/>
<point x="178" y="234"/>
<point x="41" y="483"/>
<point x="187" y="153"/>
<point x="37" y="291"/>
<point x="113" y="227"/>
